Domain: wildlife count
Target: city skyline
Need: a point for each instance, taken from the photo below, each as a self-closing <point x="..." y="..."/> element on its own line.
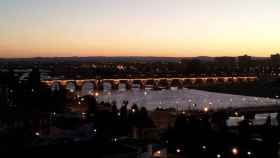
<point x="37" y="28"/>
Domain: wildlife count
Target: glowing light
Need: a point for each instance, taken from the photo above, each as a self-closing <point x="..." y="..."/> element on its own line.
<point x="234" y="151"/>
<point x="96" y="94"/>
<point x="133" y="110"/>
<point x="158" y="152"/>
<point x="219" y="156"/>
<point x="205" y="109"/>
<point x="145" y="93"/>
<point x="95" y="130"/>
<point x="236" y="113"/>
<point x="178" y="150"/>
<point x="37" y="134"/>
<point x="119" y="114"/>
<point x="204" y="147"/>
<point x="249" y="153"/>
<point x="115" y="139"/>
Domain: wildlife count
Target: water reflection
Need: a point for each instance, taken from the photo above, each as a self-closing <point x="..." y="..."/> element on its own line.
<point x="182" y="99"/>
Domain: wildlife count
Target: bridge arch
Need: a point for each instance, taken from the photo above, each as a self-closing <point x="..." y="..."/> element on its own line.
<point x="230" y="80"/>
<point x="220" y="80"/>
<point x="163" y="84"/>
<point x="199" y="81"/>
<point x="88" y="87"/>
<point x="240" y="80"/>
<point x="71" y="86"/>
<point x="188" y="82"/>
<point x="123" y="85"/>
<point x="210" y="81"/>
<point x="106" y="85"/>
<point x="150" y="84"/>
<point x="137" y="84"/>
<point x="245" y="79"/>
<point x="56" y="86"/>
<point x="176" y="83"/>
<point x="252" y="79"/>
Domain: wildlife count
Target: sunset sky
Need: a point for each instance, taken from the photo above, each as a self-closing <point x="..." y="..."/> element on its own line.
<point x="33" y="28"/>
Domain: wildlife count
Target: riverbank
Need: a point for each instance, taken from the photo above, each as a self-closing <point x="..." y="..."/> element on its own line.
<point x="261" y="88"/>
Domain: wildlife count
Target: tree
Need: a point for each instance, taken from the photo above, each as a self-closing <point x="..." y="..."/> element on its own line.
<point x="114" y="109"/>
<point x="91" y="102"/>
<point x="58" y="100"/>
<point x="34" y="79"/>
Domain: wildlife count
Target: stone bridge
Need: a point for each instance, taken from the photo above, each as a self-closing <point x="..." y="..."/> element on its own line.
<point x="144" y="83"/>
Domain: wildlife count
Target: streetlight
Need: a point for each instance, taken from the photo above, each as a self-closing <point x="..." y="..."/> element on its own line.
<point x="96" y="94"/>
<point x="205" y="109"/>
<point x="234" y="151"/>
<point x="249" y="153"/>
<point x="115" y="139"/>
<point x="204" y="147"/>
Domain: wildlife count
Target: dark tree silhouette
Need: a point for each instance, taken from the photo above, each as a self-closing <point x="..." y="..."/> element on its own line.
<point x="91" y="103"/>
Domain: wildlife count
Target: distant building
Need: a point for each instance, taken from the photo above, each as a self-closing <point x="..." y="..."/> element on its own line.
<point x="6" y="89"/>
<point x="275" y="58"/>
<point x="244" y="63"/>
<point x="3" y="95"/>
<point x="225" y="59"/>
<point x="244" y="59"/>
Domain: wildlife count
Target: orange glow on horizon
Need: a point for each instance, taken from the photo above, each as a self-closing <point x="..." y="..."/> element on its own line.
<point x="139" y="28"/>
